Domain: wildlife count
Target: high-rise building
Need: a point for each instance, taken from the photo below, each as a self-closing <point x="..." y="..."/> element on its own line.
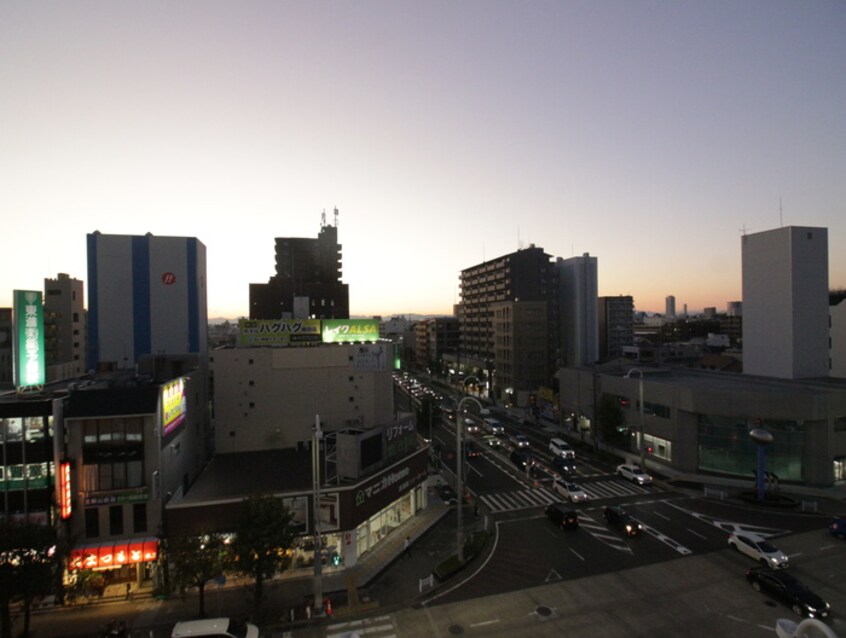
<point x="64" y="327"/>
<point x="616" y="325"/>
<point x="734" y="308"/>
<point x="670" y="306"/>
<point x="307" y="283"/>
<point x="527" y="275"/>
<point x="7" y="377"/>
<point x="146" y="296"/>
<point x="577" y="308"/>
<point x="435" y="337"/>
<point x="785" y="303"/>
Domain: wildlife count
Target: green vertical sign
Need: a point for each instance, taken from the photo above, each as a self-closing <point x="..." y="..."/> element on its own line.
<point x="29" y="338"/>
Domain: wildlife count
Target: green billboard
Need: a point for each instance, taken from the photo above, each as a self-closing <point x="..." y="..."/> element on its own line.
<point x="348" y="330"/>
<point x="28" y="342"/>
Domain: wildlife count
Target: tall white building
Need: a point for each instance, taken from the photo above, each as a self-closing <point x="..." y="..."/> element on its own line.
<point x="670" y="306"/>
<point x="577" y="306"/>
<point x="785" y="303"/>
<point x="146" y="295"/>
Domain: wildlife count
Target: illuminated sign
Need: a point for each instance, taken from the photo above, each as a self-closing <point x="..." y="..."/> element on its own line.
<point x="99" y="556"/>
<point x="65" y="494"/>
<point x="174" y="405"/>
<point x="346" y="330"/>
<point x="29" y="339"/>
<point x="277" y="332"/>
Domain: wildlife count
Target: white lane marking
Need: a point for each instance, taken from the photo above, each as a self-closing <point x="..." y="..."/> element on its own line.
<point x="697" y="534"/>
<point x="484" y="623"/>
<point x="666" y="518"/>
<point x="577" y="554"/>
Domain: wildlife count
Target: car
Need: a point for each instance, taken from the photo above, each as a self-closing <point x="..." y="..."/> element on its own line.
<point x="570" y="490"/>
<point x="838" y="526"/>
<point x="519" y="440"/>
<point x="787" y="589"/>
<point x="491" y="441"/>
<point x="493" y="426"/>
<point x="214" y="628"/>
<point x="471" y="426"/>
<point x="563" y="466"/>
<point x="561" y="448"/>
<point x="621" y="519"/>
<point x="522" y="459"/>
<point x="472" y="450"/>
<point x="562" y="515"/>
<point x="634" y="473"/>
<point x="447" y="494"/>
<point x="759" y="549"/>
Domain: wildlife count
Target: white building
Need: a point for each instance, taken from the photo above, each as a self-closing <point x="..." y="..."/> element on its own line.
<point x="146" y="295"/>
<point x="577" y="303"/>
<point x="670" y="306"/>
<point x="785" y="303"/>
<point x="267" y="398"/>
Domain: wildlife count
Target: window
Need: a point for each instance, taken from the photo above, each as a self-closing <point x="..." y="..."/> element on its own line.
<point x="840" y="424"/>
<point x="139" y="518"/>
<point x="116" y="520"/>
<point x="92" y="522"/>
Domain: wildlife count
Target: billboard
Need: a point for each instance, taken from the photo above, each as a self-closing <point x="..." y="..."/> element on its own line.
<point x="28" y="342"/>
<point x="277" y="332"/>
<point x="65" y="491"/>
<point x="347" y="330"/>
<point x="174" y="405"/>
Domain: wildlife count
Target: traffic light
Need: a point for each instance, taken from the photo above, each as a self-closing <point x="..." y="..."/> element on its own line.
<point x="335" y="559"/>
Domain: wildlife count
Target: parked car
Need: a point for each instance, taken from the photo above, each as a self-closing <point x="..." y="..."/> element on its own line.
<point x="447" y="494"/>
<point x="569" y="490"/>
<point x="562" y="515"/>
<point x="519" y="440"/>
<point x="634" y="473"/>
<point x="214" y="628"/>
<point x="788" y="590"/>
<point x="621" y="519"/>
<point x="838" y="526"/>
<point x="563" y="466"/>
<point x="491" y="441"/>
<point x="759" y="549"/>
<point x="522" y="459"/>
<point x="561" y="448"/>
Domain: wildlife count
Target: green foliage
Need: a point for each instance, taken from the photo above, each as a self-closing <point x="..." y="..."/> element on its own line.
<point x="264" y="534"/>
<point x="610" y="419"/>
<point x="196" y="560"/>
<point x="473" y="546"/>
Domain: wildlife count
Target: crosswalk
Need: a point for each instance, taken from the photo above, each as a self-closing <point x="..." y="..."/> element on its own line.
<point x="377" y="627"/>
<point x="543" y="496"/>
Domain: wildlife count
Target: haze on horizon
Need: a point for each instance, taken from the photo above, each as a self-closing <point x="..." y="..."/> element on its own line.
<point x="651" y="135"/>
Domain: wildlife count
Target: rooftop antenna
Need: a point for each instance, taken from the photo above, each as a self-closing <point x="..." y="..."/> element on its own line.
<point x="519" y="241"/>
<point x="336" y="216"/>
<point x="743" y="230"/>
<point x="323" y="218"/>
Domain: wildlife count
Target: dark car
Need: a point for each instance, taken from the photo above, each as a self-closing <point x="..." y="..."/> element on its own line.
<point x="522" y="459"/>
<point x="472" y="450"/>
<point x="620" y="518"/>
<point x="447" y="494"/>
<point x="563" y="466"/>
<point x="838" y="526"/>
<point x="562" y="515"/>
<point x="784" y="587"/>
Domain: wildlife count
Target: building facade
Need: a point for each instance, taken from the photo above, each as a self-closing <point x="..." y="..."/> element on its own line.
<point x="64" y="328"/>
<point x="577" y="310"/>
<point x="146" y="295"/>
<point x="615" y="316"/>
<point x="521" y="348"/>
<point x="670" y="306"/>
<point x="785" y="303"/>
<point x="435" y="338"/>
<point x="307" y="283"/>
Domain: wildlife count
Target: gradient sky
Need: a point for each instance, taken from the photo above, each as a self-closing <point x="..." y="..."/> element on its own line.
<point x="649" y="134"/>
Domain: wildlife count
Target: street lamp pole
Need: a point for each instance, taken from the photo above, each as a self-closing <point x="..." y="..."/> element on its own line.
<point x="640" y="404"/>
<point x="318" y="549"/>
<point x="459" y="473"/>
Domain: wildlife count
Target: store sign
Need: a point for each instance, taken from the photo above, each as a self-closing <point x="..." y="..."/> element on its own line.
<point x="349" y="330"/>
<point x="106" y="555"/>
<point x="174" y="405"/>
<point x="65" y="493"/>
<point x="29" y="339"/>
<point x="277" y="332"/>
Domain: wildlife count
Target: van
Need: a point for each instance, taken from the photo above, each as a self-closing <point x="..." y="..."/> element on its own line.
<point x="492" y="426"/>
<point x="214" y="628"/>
<point x="561" y="448"/>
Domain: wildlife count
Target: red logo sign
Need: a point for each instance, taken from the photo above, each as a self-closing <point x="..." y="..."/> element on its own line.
<point x="168" y="278"/>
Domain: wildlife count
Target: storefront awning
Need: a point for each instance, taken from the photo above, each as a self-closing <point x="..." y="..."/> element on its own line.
<point x="114" y="554"/>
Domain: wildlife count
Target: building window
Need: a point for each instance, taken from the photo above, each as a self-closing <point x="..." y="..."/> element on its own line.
<point x="139" y="518"/>
<point x="92" y="522"/>
<point x="116" y="520"/>
<point x="840" y="424"/>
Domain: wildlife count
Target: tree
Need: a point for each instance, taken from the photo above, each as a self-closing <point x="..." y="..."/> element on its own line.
<point x="196" y="560"/>
<point x="610" y="418"/>
<point x="264" y="533"/>
<point x="27" y="566"/>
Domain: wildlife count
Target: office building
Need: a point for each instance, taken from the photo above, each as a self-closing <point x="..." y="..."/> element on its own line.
<point x="786" y="303"/>
<point x="734" y="308"/>
<point x="670" y="306"/>
<point x="616" y="325"/>
<point x="146" y="295"/>
<point x="837" y="311"/>
<point x="307" y="283"/>
<point x="64" y="327"/>
<point x="577" y="310"/>
<point x="436" y="337"/>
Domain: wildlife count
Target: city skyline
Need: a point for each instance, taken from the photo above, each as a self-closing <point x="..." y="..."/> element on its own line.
<point x="650" y="136"/>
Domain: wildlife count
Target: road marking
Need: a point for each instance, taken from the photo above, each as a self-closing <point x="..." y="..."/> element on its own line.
<point x="484" y="623"/>
<point x="577" y="554"/>
<point x="731" y="527"/>
<point x="704" y="538"/>
<point x="681" y="549"/>
<point x="666" y="518"/>
<point x="552" y="575"/>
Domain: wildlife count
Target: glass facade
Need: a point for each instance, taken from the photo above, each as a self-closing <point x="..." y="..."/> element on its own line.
<point x="725" y="446"/>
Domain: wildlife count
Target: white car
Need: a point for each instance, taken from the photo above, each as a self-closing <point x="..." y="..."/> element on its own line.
<point x="634" y="473"/>
<point x="570" y="491"/>
<point x="759" y="549"/>
<point x="214" y="627"/>
<point x="519" y="440"/>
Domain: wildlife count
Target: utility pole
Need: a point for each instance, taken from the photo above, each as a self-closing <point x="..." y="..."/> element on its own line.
<point x="318" y="541"/>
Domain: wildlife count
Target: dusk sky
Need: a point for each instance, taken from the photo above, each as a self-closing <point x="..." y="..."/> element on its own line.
<point x="649" y="134"/>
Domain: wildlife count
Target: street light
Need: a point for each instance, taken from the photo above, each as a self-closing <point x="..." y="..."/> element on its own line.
<point x="459" y="460"/>
<point x="640" y="403"/>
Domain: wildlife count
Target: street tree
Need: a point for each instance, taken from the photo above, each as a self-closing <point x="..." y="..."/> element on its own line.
<point x="263" y="535"/>
<point x="195" y="561"/>
<point x="27" y="566"/>
<point x="610" y="420"/>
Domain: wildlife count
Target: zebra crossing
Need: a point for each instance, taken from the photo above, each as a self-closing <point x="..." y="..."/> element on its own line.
<point x="543" y="496"/>
<point x="378" y="627"/>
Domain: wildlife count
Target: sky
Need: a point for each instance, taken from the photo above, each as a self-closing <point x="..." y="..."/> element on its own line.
<point x="650" y="134"/>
